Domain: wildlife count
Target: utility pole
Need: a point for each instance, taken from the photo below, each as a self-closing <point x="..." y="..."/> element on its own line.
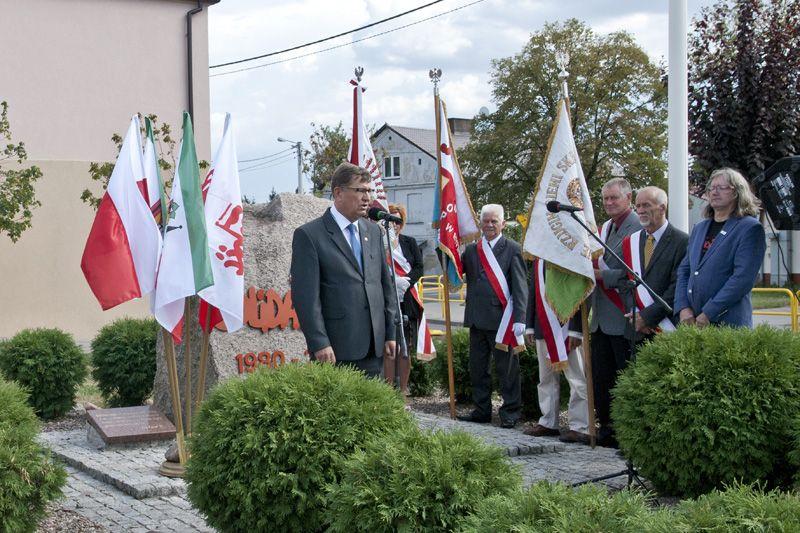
<point x="678" y="113"/>
<point x="299" y="147"/>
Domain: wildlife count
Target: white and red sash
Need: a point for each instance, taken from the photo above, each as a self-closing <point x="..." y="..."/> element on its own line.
<point x="555" y="334"/>
<point x="505" y="339"/>
<point x="630" y="253"/>
<point x="612" y="294"/>
<point x="425" y="350"/>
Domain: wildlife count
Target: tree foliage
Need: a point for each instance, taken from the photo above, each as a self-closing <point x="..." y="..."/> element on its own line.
<point x="617" y="106"/>
<point x="329" y="146"/>
<point x="165" y="145"/>
<point x="744" y="85"/>
<point x="17" y="194"/>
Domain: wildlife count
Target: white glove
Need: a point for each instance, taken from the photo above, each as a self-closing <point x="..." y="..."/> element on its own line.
<point x="519" y="329"/>
<point x="402" y="286"/>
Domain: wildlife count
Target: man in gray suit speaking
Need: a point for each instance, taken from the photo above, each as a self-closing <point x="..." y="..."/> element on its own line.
<point x="341" y="286"/>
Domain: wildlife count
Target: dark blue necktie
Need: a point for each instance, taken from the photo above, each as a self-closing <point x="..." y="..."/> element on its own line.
<point x="355" y="244"/>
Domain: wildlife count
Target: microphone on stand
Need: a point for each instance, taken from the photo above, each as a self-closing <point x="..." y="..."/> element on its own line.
<point x="554" y="206"/>
<point x="377" y="214"/>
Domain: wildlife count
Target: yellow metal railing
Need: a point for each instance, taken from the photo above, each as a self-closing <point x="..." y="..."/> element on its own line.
<point x="793" y="305"/>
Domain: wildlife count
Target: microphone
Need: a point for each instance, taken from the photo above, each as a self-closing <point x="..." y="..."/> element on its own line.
<point x="554" y="206"/>
<point x="377" y="214"/>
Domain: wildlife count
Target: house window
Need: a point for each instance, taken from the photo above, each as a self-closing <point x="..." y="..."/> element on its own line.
<point x="391" y="167"/>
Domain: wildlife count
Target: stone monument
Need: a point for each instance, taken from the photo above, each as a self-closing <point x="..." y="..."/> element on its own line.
<point x="270" y="336"/>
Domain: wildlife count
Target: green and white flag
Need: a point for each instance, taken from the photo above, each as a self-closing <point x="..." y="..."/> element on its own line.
<point x="185" y="267"/>
<point x="565" y="247"/>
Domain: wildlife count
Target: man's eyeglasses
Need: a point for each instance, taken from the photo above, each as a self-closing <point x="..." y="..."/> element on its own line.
<point x="359" y="190"/>
<point x="720" y="188"/>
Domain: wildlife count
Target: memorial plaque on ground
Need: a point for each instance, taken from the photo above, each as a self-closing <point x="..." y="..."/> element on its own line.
<point x="271" y="336"/>
<point x="125" y="425"/>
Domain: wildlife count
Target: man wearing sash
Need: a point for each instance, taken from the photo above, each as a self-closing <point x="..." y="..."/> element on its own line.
<point x="610" y="347"/>
<point x="549" y="389"/>
<point x="495" y="315"/>
<point x="654" y="252"/>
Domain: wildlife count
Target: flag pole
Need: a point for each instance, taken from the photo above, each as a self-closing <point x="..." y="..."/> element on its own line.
<point x="201" y="378"/>
<point x="187" y="364"/>
<point x="175" y="393"/>
<point x="562" y="60"/>
<point x="435" y="75"/>
<point x="587" y="369"/>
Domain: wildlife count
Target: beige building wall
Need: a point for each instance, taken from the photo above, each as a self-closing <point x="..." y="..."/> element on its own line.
<point x="74" y="71"/>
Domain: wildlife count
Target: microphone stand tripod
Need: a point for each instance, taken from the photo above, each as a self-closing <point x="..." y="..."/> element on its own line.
<point x="398" y="319"/>
<point x="630" y="286"/>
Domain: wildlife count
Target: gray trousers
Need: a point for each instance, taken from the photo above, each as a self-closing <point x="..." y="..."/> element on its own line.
<point x="481" y="350"/>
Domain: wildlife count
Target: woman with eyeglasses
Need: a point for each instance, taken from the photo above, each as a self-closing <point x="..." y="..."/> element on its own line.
<point x="724" y="255"/>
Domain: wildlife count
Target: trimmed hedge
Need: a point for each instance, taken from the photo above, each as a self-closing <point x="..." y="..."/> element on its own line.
<point x="28" y="476"/>
<point x="739" y="508"/>
<point x="124" y="361"/>
<point x="554" y="508"/>
<point x="462" y="382"/>
<point x="265" y="448"/>
<point x="418" y="481"/>
<point x="423" y="376"/>
<point x="701" y="408"/>
<point x="47" y="363"/>
<point x="549" y="507"/>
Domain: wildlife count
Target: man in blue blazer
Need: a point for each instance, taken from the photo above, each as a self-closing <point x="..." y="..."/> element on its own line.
<point x="724" y="256"/>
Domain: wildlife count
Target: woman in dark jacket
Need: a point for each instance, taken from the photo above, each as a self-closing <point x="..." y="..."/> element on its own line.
<point x="408" y="257"/>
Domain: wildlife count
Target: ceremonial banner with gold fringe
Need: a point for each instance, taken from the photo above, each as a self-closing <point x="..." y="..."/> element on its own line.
<point x="556" y="238"/>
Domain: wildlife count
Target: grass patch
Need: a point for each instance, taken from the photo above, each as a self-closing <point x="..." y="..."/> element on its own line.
<point x="769" y="300"/>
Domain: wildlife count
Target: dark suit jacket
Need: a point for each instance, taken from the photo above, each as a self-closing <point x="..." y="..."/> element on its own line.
<point x="606" y="315"/>
<point x="532" y="320"/>
<point x="483" y="309"/>
<point x="336" y="304"/>
<point x="662" y="272"/>
<point x="719" y="284"/>
<point x="413" y="255"/>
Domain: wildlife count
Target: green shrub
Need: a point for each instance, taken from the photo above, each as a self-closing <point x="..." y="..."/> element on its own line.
<point x="422" y="380"/>
<point x="28" y="476"/>
<point x="704" y="407"/>
<point x="548" y="507"/>
<point x="49" y="364"/>
<point x="463" y="385"/>
<point x="264" y="448"/>
<point x="418" y="481"/>
<point x="124" y="361"/>
<point x="740" y="508"/>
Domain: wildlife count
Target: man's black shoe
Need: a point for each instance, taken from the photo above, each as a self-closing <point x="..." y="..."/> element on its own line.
<point x="475" y="417"/>
<point x="508" y="424"/>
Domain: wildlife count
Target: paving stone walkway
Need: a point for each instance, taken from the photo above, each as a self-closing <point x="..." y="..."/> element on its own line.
<point x="121" y="489"/>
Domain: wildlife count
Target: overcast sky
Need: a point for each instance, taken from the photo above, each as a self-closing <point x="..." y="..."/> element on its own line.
<point x="282" y="100"/>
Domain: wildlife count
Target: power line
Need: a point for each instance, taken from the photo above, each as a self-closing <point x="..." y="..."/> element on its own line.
<point x="371" y="36"/>
<point x="264" y="157"/>
<point x="325" y="39"/>
<point x="268" y="164"/>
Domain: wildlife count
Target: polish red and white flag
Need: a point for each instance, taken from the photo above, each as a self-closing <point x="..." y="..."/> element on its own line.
<point x="120" y="258"/>
<point x="361" y="153"/>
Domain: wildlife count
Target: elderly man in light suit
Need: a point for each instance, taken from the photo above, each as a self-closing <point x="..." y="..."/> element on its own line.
<point x="610" y="347"/>
<point x="341" y="285"/>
